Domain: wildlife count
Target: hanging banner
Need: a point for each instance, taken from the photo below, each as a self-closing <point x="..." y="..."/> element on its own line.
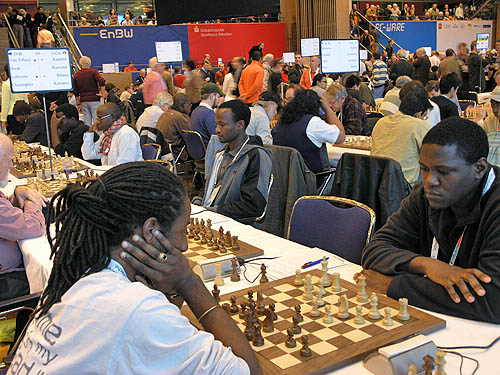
<point x="451" y="33"/>
<point x="410" y="35"/>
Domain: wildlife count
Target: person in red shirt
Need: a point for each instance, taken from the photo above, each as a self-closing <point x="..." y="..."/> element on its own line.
<point x="179" y="77"/>
<point x="308" y="75"/>
<point x="252" y="80"/>
<point x="130" y="67"/>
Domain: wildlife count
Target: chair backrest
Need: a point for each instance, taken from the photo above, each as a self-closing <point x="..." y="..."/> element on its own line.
<point x="153" y="135"/>
<point x="464" y="104"/>
<point x="321" y="222"/>
<point x="467" y="95"/>
<point x="376" y="115"/>
<point x="372" y="121"/>
<point x="165" y="163"/>
<point x="194" y="144"/>
<point x="151" y="151"/>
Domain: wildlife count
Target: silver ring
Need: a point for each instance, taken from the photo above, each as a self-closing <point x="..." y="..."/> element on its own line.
<point x="162" y="257"/>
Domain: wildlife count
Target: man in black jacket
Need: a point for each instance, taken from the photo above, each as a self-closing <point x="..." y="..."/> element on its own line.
<point x="401" y="67"/>
<point x="476" y="65"/>
<point x="295" y="72"/>
<point x="34" y="120"/>
<point x="440" y="249"/>
<point x="422" y="66"/>
<point x="448" y="87"/>
<point x="67" y="131"/>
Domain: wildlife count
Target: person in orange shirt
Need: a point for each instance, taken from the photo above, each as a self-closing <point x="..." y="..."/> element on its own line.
<point x="308" y="75"/>
<point x="130" y="67"/>
<point x="252" y="80"/>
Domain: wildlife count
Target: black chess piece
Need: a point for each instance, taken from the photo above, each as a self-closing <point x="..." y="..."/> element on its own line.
<point x="257" y="340"/>
<point x="290" y="341"/>
<point x="243" y="308"/>
<point x="296" y="327"/>
<point x="268" y="324"/>
<point x="234" y="307"/>
<point x="300" y="318"/>
<point x="305" y="351"/>
<point x="248" y="325"/>
<point x="272" y="307"/>
<point x="216" y="293"/>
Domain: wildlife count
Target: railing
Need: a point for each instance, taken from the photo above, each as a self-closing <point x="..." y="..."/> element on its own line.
<point x="379" y="30"/>
<point x="483" y="5"/>
<point x="12" y="36"/>
<point x="67" y="40"/>
<point x="362" y="46"/>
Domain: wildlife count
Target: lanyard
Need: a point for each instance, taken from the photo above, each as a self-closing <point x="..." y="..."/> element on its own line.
<point x="435" y="245"/>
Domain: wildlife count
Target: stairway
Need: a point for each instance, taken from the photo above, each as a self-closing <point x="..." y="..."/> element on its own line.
<point x="4" y="44"/>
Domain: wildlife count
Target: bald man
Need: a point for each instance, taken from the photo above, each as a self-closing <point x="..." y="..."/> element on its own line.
<point x="20" y="218"/>
<point x="118" y="143"/>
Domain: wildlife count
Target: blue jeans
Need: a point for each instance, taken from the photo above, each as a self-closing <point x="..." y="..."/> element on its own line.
<point x="89" y="110"/>
<point x="378" y="92"/>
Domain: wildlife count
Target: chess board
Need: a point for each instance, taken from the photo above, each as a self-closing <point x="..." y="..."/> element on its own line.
<point x="49" y="188"/>
<point x="23" y="171"/>
<point x="332" y="345"/>
<point x="358" y="145"/>
<point x="198" y="252"/>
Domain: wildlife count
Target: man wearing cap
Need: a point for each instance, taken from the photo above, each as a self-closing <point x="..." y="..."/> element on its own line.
<point x="35" y="130"/>
<point x="262" y="112"/>
<point x="67" y="131"/>
<point x="203" y="116"/>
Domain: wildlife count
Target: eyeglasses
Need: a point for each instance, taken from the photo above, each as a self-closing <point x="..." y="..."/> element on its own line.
<point x="103" y="117"/>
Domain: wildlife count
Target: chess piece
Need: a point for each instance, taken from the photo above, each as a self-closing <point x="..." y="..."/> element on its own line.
<point x="298" y="279"/>
<point x="343" y="312"/>
<point x="374" y="313"/>
<point x="257" y="340"/>
<point x="216" y="245"/>
<point x="336" y="282"/>
<point x="305" y="351"/>
<point x="216" y="293"/>
<point x="243" y="310"/>
<point x="307" y="296"/>
<point x="428" y="364"/>
<point x="321" y="290"/>
<point x="320" y="297"/>
<point x="210" y="243"/>
<point x="221" y="232"/>
<point x="191" y="233"/>
<point x="235" y="243"/>
<point x="290" y="341"/>
<point x="299" y="316"/>
<point x="235" y="276"/>
<point x="234" y="307"/>
<point x="272" y="307"/>
<point x="412" y="370"/>
<point x="261" y="307"/>
<point x="403" y="309"/>
<point x="250" y="296"/>
<point x="328" y="319"/>
<point x="219" y="280"/>
<point x="202" y="225"/>
<point x="226" y="308"/>
<point x="209" y="224"/>
<point x="268" y="324"/>
<point x="263" y="278"/>
<point x="248" y="325"/>
<point x="203" y="238"/>
<point x="359" y="319"/>
<point x="362" y="296"/>
<point x="388" y="319"/>
<point x="223" y="249"/>
<point x="315" y="312"/>
<point x="196" y="235"/>
<point x="227" y="239"/>
<point x="440" y="362"/>
<point x="325" y="279"/>
<point x="295" y="326"/>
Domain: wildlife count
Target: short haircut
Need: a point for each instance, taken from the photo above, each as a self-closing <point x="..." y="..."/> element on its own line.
<point x="69" y="111"/>
<point x="268" y="56"/>
<point x="450" y="52"/>
<point x="402" y="53"/>
<point x="432" y="85"/>
<point x="449" y="81"/>
<point x="239" y="110"/>
<point x="317" y="79"/>
<point x="257" y="55"/>
<point x="177" y="69"/>
<point x="414" y="102"/>
<point x="163" y="98"/>
<point x="412" y="86"/>
<point x="473" y="45"/>
<point x="401" y="81"/>
<point x="421" y="50"/>
<point x="336" y="91"/>
<point x="376" y="55"/>
<point x="470" y="139"/>
<point x="127" y="87"/>
<point x="180" y="99"/>
<point x="295" y="87"/>
<point x="351" y="81"/>
<point x="85" y="62"/>
<point x="190" y="64"/>
<point x="21" y="108"/>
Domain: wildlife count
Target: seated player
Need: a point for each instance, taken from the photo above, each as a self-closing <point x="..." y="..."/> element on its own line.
<point x="20" y="218"/>
<point x="150" y="116"/>
<point x="97" y="301"/>
<point x="262" y="112"/>
<point x="67" y="131"/>
<point x="448" y="87"/>
<point x="118" y="144"/>
<point x="399" y="136"/>
<point x="238" y="176"/>
<point x="34" y="122"/>
<point x="440" y="249"/>
<point x="351" y="112"/>
<point x="203" y="116"/>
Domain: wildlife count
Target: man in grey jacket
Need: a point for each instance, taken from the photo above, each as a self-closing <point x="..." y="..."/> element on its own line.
<point x="239" y="173"/>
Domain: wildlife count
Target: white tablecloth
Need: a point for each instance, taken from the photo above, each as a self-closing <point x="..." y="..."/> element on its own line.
<point x="335" y="153"/>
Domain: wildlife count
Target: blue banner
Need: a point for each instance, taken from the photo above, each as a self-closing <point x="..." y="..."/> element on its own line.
<point x="410" y="35"/>
<point x="105" y="45"/>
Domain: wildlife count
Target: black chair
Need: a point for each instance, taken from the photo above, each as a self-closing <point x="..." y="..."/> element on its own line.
<point x="376" y="115"/>
<point x="150" y="135"/>
<point x="467" y="95"/>
<point x="151" y="151"/>
<point x="464" y="104"/>
<point x="196" y="150"/>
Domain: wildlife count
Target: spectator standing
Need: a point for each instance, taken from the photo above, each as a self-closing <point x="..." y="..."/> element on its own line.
<point x="252" y="80"/>
<point x="44" y="38"/>
<point x="229" y="85"/>
<point x="422" y="66"/>
<point x="219" y="76"/>
<point x="295" y="72"/>
<point x="434" y="59"/>
<point x="449" y="65"/>
<point x="206" y="72"/>
<point x="40" y="17"/>
<point x="389" y="49"/>
<point x="476" y="65"/>
<point x="379" y="75"/>
<point x="179" y="77"/>
<point x="192" y="83"/>
<point x="309" y="73"/>
<point x="459" y="12"/>
<point x="402" y="67"/>
<point x="267" y="62"/>
<point x="89" y="87"/>
<point x="154" y="82"/>
<point x="16" y="21"/>
<point x="130" y="67"/>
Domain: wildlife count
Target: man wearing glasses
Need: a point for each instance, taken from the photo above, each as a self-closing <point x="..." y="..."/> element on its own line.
<point x="118" y="143"/>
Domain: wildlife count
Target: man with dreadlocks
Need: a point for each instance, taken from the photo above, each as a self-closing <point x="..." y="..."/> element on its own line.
<point x="118" y="144"/>
<point x="111" y="305"/>
<point x="441" y="248"/>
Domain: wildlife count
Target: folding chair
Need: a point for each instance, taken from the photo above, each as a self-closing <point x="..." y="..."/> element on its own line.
<point x="196" y="150"/>
<point x="338" y="225"/>
<point x="464" y="104"/>
<point x="151" y="151"/>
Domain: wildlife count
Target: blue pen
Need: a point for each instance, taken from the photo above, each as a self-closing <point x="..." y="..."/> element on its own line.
<point x="310" y="264"/>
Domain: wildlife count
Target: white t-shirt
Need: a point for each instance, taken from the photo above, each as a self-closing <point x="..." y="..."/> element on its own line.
<point x="319" y="132"/>
<point x="433" y="115"/>
<point x="106" y="325"/>
<point x="149" y="117"/>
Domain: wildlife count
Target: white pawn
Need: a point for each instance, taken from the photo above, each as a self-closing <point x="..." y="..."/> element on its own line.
<point x="359" y="319"/>
<point x="336" y="282"/>
<point x="325" y="279"/>
<point x="374" y="313"/>
<point x="298" y="279"/>
<point x="343" y="312"/>
<point x="219" y="280"/>
<point x="321" y="302"/>
<point x="388" y="319"/>
<point x="307" y="296"/>
<point x="328" y="319"/>
<point x="315" y="312"/>
<point x="403" y="309"/>
<point x="362" y="295"/>
<point x="321" y="290"/>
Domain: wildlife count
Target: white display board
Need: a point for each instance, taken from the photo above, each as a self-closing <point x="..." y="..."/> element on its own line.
<point x="39" y="70"/>
<point x="109" y="68"/>
<point x="451" y="33"/>
<point x="288" y="57"/>
<point x="483" y="41"/>
<point x="309" y="47"/>
<point x="340" y="56"/>
<point x="428" y="51"/>
<point x="363" y="54"/>
<point x="168" y="52"/>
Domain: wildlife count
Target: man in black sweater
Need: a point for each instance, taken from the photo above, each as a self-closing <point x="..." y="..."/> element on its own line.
<point x="295" y="72"/>
<point x="67" y="131"/>
<point x="422" y="66"/>
<point x="448" y="87"/>
<point x="401" y="67"/>
<point x="440" y="249"/>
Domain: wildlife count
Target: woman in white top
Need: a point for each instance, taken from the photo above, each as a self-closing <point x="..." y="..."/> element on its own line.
<point x="229" y="85"/>
<point x="8" y="100"/>
<point x="111" y="305"/>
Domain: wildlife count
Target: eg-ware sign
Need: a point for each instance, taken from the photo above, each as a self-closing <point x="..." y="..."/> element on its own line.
<point x="39" y="70"/>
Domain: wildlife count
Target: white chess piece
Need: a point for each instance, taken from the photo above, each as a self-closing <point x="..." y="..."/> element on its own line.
<point x="298" y="279"/>
<point x="343" y="312"/>
<point x="315" y="312"/>
<point x="321" y="290"/>
<point x="362" y="295"/>
<point x="325" y="279"/>
<point x="359" y="319"/>
<point x="388" y="319"/>
<point x="307" y="296"/>
<point x="403" y="309"/>
<point x="336" y="282"/>
<point x="440" y="362"/>
<point x="219" y="280"/>
<point x="328" y="319"/>
<point x="374" y="313"/>
<point x="321" y="302"/>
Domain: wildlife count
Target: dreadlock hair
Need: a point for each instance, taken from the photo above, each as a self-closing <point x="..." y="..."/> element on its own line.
<point x="306" y="102"/>
<point x="92" y="218"/>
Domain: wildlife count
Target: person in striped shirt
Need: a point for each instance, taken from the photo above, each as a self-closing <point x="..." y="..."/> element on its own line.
<point x="379" y="75"/>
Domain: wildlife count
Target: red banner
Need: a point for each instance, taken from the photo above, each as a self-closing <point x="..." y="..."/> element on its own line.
<point x="226" y="40"/>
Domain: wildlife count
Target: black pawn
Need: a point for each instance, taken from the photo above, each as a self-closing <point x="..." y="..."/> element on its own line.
<point x="243" y="307"/>
<point x="290" y="341"/>
<point x="300" y="318"/>
<point x="305" y="351"/>
<point x="296" y="328"/>
<point x="257" y="340"/>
